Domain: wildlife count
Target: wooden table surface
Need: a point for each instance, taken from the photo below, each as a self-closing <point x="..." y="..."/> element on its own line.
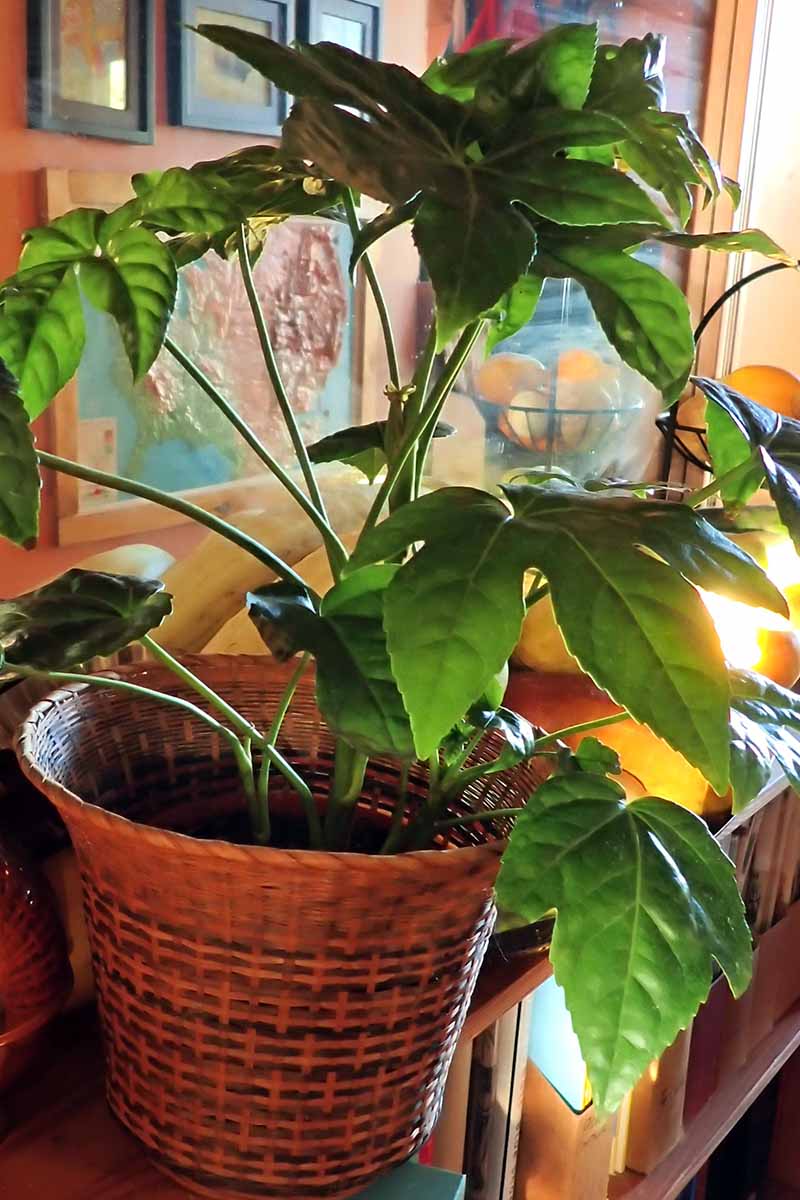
<point x="62" y="1142"/>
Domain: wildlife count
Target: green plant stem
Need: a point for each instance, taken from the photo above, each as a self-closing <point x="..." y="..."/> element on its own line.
<point x="252" y="735"/>
<point x="216" y="524"/>
<point x="259" y="818"/>
<point x="348" y="779"/>
<point x="242" y="726"/>
<point x="453" y="771"/>
<point x="484" y="815"/>
<point x="426" y="420"/>
<point x="136" y="689"/>
<point x="551" y="739"/>
<point x="296" y="781"/>
<point x="273" y="371"/>
<point x="423" y="448"/>
<point x="394" y="837"/>
<point x="407" y="487"/>
<point x="314" y="824"/>
<point x="733" y="476"/>
<point x="377" y="293"/>
<point x="333" y="545"/>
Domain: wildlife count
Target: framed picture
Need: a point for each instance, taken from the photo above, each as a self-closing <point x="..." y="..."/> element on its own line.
<point x="163" y="430"/>
<point x="352" y="23"/>
<point x="91" y="68"/>
<point x="213" y="89"/>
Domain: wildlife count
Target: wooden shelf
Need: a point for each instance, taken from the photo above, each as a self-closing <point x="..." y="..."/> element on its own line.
<point x="501" y="984"/>
<point x="715" y="1120"/>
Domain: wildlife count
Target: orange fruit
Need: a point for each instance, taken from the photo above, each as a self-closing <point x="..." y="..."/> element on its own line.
<point x="780" y="655"/>
<point x="503" y="376"/>
<point x="774" y="387"/>
<point x="580" y="365"/>
<point x="555" y="701"/>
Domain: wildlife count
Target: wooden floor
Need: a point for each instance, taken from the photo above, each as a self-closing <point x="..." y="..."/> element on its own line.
<point x="62" y="1142"/>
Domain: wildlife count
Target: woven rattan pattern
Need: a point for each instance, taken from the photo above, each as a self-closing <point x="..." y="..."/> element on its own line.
<point x="277" y="1023"/>
<point x="35" y="976"/>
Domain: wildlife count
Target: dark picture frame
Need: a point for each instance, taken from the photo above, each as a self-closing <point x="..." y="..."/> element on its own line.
<point x="354" y="23"/>
<point x="48" y="106"/>
<point x="190" y="103"/>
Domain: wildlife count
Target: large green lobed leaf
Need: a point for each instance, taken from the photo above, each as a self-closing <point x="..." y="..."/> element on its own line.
<point x="645" y="900"/>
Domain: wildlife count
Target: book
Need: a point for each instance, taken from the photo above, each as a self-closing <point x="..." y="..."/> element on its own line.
<point x="656" y="1109"/>
<point x="423" y="1183"/>
<point x="446" y="1147"/>
<point x="554" y="1048"/>
<point x="563" y="1155"/>
<point x="499" y="1064"/>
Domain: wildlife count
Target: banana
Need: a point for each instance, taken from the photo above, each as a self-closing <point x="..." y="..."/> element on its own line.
<point x="208" y="586"/>
<point x="240" y="636"/>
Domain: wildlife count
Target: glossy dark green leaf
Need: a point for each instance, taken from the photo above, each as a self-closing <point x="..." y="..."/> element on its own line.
<point x="629" y="79"/>
<point x="548" y="130"/>
<point x="457" y="75"/>
<point x="355" y="689"/>
<point x="645" y="900"/>
<point x="42" y="333"/>
<point x="393" y="218"/>
<point x="659" y="160"/>
<point x="643" y="314"/>
<point x="729" y="448"/>
<point x="514" y="310"/>
<point x="569" y="192"/>
<point x="737" y="241"/>
<point x="474" y="253"/>
<point x="734" y="191"/>
<point x="556" y="67"/>
<point x="365" y="155"/>
<point x="183" y="201"/>
<point x="595" y="757"/>
<point x="765" y="733"/>
<point x="19" y="469"/>
<point x="135" y="280"/>
<point x="361" y="446"/>
<point x="66" y="239"/>
<point x="672" y="675"/>
<point x="430" y="519"/>
<point x="469" y="587"/>
<point x="740" y="430"/>
<point x="79" y="616"/>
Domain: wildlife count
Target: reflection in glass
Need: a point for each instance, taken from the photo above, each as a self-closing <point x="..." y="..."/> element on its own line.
<point x="222" y="77"/>
<point x="92" y="48"/>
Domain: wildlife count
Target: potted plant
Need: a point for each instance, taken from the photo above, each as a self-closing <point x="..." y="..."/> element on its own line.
<point x="280" y="1003"/>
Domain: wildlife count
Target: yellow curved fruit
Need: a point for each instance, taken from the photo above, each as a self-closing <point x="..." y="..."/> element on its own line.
<point x="240" y="636"/>
<point x="774" y="387"/>
<point x="138" y="559"/>
<point x="210" y="583"/>
<point x="541" y="646"/>
<point x="792" y="594"/>
<point x="504" y="376"/>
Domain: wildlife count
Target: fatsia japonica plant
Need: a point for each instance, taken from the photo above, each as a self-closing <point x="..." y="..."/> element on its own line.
<point x="556" y="159"/>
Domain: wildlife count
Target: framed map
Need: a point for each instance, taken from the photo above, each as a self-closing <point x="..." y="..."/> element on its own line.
<point x="163" y="430"/>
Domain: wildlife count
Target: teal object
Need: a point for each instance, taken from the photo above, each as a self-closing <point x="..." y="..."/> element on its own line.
<point x="413" y="1182"/>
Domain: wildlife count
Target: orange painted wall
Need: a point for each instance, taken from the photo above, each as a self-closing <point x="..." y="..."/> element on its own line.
<point x="25" y="152"/>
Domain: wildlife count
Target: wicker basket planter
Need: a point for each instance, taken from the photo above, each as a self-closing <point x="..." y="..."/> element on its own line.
<point x="277" y="1023"/>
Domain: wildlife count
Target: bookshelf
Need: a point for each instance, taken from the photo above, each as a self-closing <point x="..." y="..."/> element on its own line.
<point x="761" y="840"/>
<point x="715" y="1119"/>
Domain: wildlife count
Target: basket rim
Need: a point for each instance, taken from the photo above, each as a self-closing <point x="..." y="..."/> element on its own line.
<point x="202" y="847"/>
